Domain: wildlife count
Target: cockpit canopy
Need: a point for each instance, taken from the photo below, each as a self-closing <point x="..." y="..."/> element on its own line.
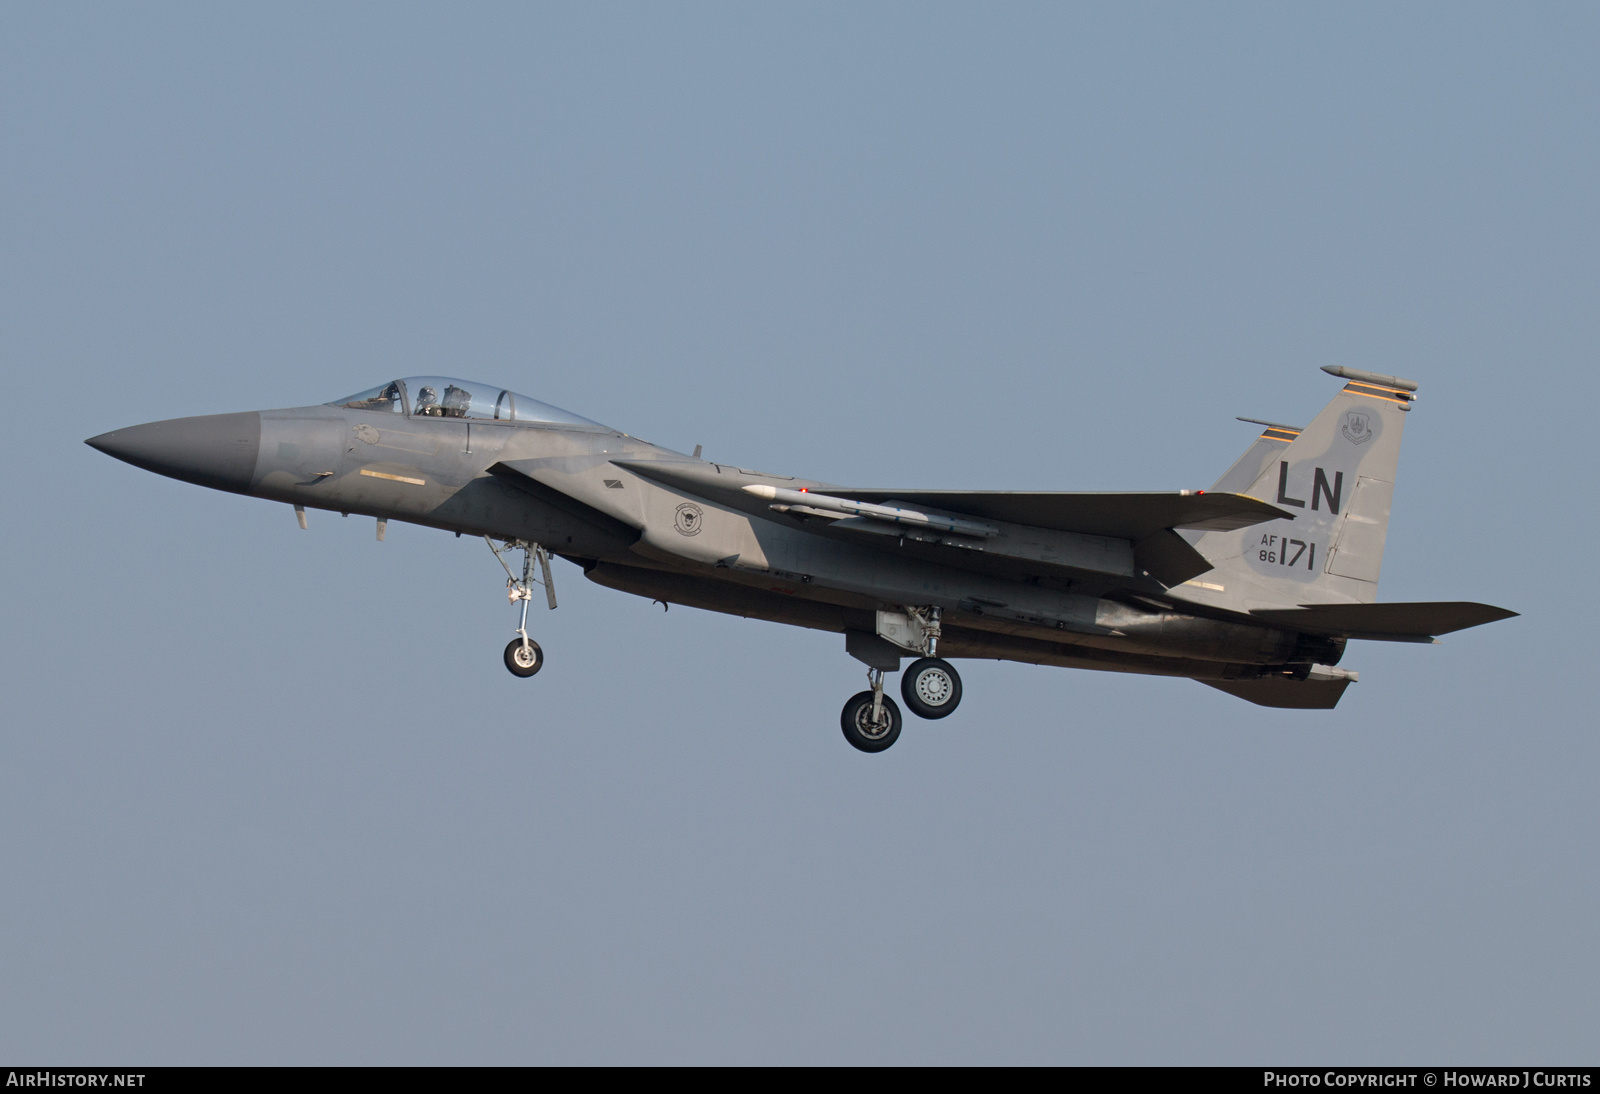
<point x="446" y="397"/>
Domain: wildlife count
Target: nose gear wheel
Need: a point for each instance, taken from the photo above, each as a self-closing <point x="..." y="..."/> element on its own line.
<point x="524" y="658"/>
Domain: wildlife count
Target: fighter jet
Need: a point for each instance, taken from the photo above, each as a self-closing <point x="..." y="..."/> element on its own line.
<point x="1253" y="587"/>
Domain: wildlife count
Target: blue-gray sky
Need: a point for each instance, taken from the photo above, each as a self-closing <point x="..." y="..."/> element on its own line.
<point x="269" y="796"/>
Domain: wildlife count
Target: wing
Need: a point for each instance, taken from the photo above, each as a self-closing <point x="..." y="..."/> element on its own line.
<point x="1121" y="516"/>
<point x="1118" y="536"/>
<point x="1147" y="521"/>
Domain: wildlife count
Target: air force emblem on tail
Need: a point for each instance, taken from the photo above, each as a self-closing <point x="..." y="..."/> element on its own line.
<point x="1357" y="426"/>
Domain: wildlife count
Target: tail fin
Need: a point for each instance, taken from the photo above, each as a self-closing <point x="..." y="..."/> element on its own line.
<point x="1243" y="474"/>
<point x="1337" y="475"/>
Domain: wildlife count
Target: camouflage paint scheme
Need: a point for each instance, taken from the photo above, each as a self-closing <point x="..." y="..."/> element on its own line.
<point x="1253" y="587"/>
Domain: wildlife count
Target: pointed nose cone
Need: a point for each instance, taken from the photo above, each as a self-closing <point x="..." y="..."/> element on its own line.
<point x="215" y="450"/>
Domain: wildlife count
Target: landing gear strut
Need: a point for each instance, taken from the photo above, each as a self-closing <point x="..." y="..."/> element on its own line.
<point x="931" y="687"/>
<point x="523" y="656"/>
<point x="870" y="720"/>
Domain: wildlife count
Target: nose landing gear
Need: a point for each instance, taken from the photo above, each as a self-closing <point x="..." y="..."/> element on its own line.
<point x="523" y="656"/>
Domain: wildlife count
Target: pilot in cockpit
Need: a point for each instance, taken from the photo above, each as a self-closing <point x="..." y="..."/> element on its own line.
<point x="428" y="402"/>
<point x="456" y="401"/>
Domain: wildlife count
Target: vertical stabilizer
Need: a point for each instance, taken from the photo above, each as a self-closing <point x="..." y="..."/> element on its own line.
<point x="1337" y="476"/>
<point x="1247" y="469"/>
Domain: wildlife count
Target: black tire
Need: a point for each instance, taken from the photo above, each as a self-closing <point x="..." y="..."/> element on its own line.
<point x="856" y="721"/>
<point x="931" y="688"/>
<point x="515" y="661"/>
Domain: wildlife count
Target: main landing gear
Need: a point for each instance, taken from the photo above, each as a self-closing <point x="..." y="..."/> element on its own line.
<point x="870" y="720"/>
<point x="931" y="688"/>
<point x="523" y="655"/>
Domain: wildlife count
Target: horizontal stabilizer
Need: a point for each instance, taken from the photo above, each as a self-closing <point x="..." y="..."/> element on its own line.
<point x="1120" y="516"/>
<point x="1287" y="693"/>
<point x="1394" y="622"/>
<point x="1167" y="557"/>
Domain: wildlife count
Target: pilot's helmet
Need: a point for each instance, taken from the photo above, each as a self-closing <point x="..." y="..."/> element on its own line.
<point x="426" y="397"/>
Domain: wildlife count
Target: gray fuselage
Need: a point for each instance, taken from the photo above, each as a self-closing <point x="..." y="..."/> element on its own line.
<point x="597" y="498"/>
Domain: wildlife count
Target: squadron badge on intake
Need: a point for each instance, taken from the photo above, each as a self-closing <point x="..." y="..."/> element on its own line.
<point x="687" y="521"/>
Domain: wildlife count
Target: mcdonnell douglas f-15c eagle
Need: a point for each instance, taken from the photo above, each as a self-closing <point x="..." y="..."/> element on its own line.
<point x="1252" y="587"/>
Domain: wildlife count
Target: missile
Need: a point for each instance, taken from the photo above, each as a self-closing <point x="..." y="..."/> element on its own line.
<point x="893" y="514"/>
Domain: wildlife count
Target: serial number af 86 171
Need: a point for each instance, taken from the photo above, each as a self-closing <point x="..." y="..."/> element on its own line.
<point x="1291" y="553"/>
